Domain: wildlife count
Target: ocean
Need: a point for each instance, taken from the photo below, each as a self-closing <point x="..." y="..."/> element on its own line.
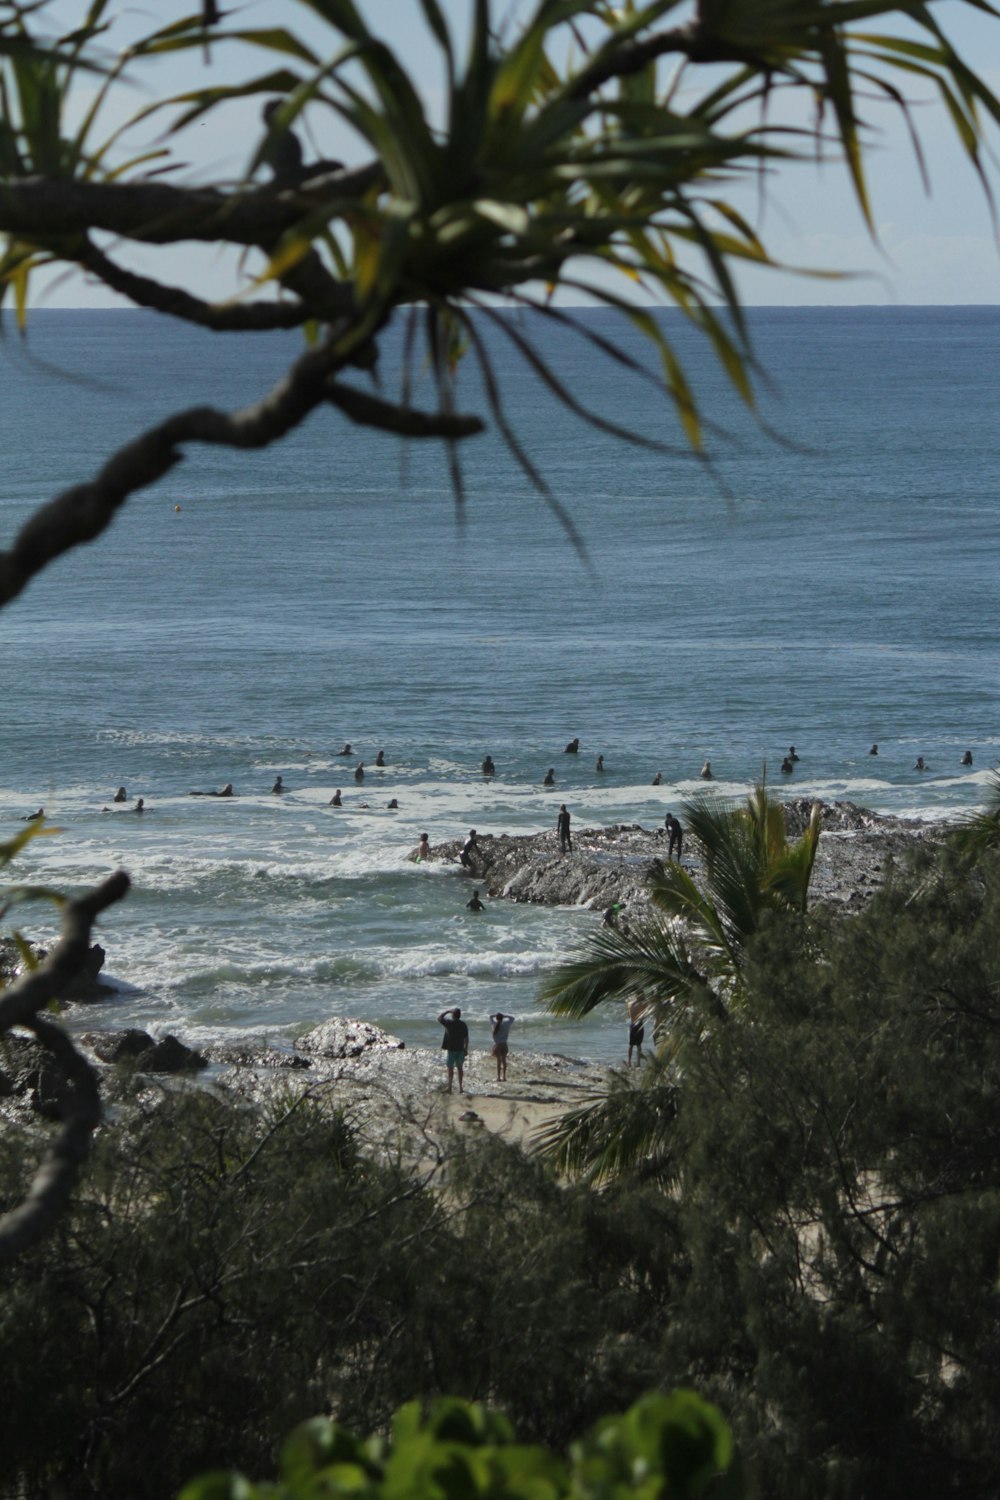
<point x="827" y="579"/>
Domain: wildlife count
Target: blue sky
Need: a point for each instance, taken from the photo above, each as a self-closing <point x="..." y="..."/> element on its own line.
<point x="940" y="248"/>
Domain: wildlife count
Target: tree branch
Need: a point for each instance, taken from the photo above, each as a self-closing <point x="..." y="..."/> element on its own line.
<point x="371" y="411"/>
<point x="176" y="303"/>
<point x="19" y="1005"/>
<point x="39" y="209"/>
<point x="82" y="513"/>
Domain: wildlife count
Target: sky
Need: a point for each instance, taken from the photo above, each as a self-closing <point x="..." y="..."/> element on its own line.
<point x="940" y="248"/>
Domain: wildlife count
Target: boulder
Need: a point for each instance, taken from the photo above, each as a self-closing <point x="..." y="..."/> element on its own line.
<point x="168" y="1055"/>
<point x="339" y="1038"/>
<point x="30" y="1075"/>
<point x="86" y="986"/>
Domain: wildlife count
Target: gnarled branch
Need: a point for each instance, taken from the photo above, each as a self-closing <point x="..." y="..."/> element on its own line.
<point x="19" y="1005"/>
<point x="176" y="303"/>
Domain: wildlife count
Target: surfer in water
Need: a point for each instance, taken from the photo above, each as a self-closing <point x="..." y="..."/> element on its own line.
<point x="120" y="795"/>
<point x="227" y="791"/>
<point x="335" y="800"/>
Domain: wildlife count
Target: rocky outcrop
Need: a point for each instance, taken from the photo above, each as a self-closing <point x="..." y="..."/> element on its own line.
<point x="612" y="865"/>
<point x="338" y="1039"/>
<point x="86" y="986"/>
<point x="166" y="1055"/>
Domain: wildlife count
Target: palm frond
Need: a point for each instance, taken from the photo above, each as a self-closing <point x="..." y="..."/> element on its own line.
<point x="650" y="962"/>
<point x="625" y="1129"/>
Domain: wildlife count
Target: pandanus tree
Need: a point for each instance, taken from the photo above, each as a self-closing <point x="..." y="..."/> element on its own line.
<point x="683" y="965"/>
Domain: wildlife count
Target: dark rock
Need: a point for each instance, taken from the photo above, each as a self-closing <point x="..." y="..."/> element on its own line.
<point x="343" y="1038"/>
<point x="29" y="1074"/>
<point x="118" y="1046"/>
<point x="168" y="1055"/>
<point x="86" y="986"/>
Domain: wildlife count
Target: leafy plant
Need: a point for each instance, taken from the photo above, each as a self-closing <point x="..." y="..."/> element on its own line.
<point x="674" y="1446"/>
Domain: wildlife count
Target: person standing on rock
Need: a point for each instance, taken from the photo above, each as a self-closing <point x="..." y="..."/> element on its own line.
<point x="469" y="848"/>
<point x="455" y="1044"/>
<point x="675" y="835"/>
<point x="501" y="1031"/>
<point x="562" y="825"/>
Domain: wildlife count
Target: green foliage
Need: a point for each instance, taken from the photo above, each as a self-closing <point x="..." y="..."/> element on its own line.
<point x="674" y="1447"/>
<point x="818" y="1256"/>
<point x="692" y="949"/>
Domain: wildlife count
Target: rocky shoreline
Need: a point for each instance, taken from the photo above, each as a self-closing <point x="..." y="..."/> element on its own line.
<point x="394" y="1094"/>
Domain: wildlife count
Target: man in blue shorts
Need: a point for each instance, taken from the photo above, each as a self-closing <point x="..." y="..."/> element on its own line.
<point x="455" y="1043"/>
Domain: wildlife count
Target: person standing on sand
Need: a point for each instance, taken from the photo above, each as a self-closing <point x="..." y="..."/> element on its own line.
<point x="455" y="1044"/>
<point x="501" y="1031"/>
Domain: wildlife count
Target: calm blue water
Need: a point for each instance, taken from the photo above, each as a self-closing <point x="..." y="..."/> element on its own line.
<point x="831" y="589"/>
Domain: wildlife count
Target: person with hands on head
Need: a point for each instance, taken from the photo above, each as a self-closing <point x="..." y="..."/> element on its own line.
<point x="455" y="1043"/>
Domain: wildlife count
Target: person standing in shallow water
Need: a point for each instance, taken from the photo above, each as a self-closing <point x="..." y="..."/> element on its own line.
<point x="455" y="1043"/>
<point x="501" y="1031"/>
<point x="562" y="827"/>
